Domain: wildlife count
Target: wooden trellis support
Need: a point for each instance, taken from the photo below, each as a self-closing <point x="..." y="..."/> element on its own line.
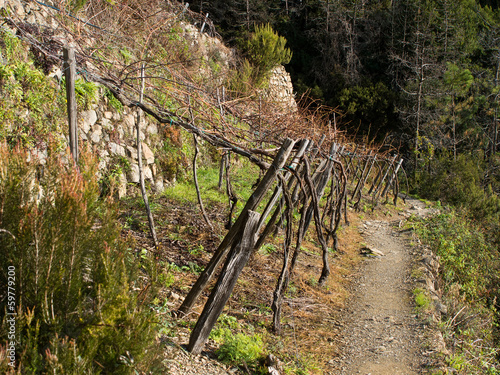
<point x="69" y="69"/>
<point x="236" y="261"/>
<point x="232" y="235"/>
<point x="279" y="189"/>
<point x="361" y="181"/>
<point x="393" y="176"/>
<point x="377" y="177"/>
<point x="389" y="166"/>
<point x="351" y="160"/>
<point x="320" y="183"/>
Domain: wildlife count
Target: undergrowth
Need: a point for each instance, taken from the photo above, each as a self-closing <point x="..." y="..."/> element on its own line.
<point x="79" y="287"/>
<point x="469" y="269"/>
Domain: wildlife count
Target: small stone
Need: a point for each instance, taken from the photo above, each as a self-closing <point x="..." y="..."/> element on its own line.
<point x="440" y="307"/>
<point x="129" y="122"/>
<point x="147" y="154"/>
<point x="120" y="131"/>
<point x="103" y="163"/>
<point x="159" y="186"/>
<point x="390" y="319"/>
<point x="133" y="173"/>
<point x="87" y="120"/>
<point x="122" y="186"/>
<point x="132" y="152"/>
<point x="106" y="124"/>
<point x="96" y="136"/>
<point x="148" y="175"/>
<point x="152" y="129"/>
<point x="371" y="251"/>
<point x="108" y="115"/>
<point x="116" y="149"/>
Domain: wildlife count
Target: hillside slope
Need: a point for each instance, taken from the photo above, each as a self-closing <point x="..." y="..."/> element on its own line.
<point x="206" y="120"/>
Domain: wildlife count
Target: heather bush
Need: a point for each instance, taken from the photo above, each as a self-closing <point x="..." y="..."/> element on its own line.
<point x="265" y="50"/>
<point x="76" y="288"/>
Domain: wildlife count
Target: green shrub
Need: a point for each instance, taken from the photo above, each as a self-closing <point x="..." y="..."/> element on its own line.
<point x="422" y="300"/>
<point x="265" y="50"/>
<point x="469" y="270"/>
<point x="33" y="106"/>
<point x="76" y="307"/>
<point x="241" y="349"/>
<point x="460" y="183"/>
<point x="466" y="257"/>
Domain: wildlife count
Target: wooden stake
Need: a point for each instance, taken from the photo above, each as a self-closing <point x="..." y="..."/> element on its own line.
<point x="278" y="190"/>
<point x="69" y="68"/>
<point x="236" y="261"/>
<point x="389" y="183"/>
<point x="195" y="178"/>
<point x="231" y="236"/>
<point x="139" y="162"/>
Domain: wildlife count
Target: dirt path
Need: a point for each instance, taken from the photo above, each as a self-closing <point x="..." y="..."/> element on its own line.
<point x="381" y="334"/>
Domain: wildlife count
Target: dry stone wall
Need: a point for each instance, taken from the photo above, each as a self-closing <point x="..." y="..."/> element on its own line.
<point x="110" y="132"/>
<point x="280" y="89"/>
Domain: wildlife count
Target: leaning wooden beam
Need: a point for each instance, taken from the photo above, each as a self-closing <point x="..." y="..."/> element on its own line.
<point x="278" y="190"/>
<point x="236" y="261"/>
<point x="389" y="166"/>
<point x="269" y="227"/>
<point x="389" y="183"/>
<point x="231" y="236"/>
<point x="358" y="185"/>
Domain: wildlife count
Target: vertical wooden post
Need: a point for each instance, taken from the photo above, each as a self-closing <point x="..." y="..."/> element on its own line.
<point x="69" y="68"/>
<point x="360" y="184"/>
<point x="389" y="166"/>
<point x="139" y="162"/>
<point x="204" y="23"/>
<point x="377" y="176"/>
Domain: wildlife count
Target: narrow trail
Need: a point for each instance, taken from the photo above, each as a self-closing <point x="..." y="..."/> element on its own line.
<point x="381" y="335"/>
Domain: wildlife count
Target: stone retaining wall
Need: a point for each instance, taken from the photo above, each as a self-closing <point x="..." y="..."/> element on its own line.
<point x="111" y="132"/>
